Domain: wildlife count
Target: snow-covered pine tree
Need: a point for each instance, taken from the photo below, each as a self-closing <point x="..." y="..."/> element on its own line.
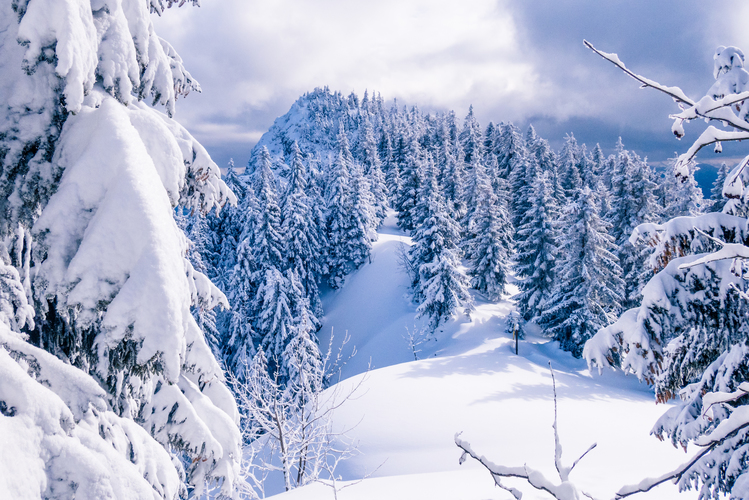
<point x="267" y="237"/>
<point x="90" y="178"/>
<point x="201" y="254"/>
<point x="241" y="340"/>
<point x="587" y="292"/>
<point x="454" y="180"/>
<point x="536" y="249"/>
<point x="411" y="184"/>
<point x="682" y="196"/>
<point x="476" y="180"/>
<point x="391" y="168"/>
<point x="490" y="244"/>
<point x="273" y="315"/>
<point x="338" y="215"/>
<point x="370" y="161"/>
<point x="601" y="179"/>
<point x="716" y="193"/>
<point x="471" y="138"/>
<point x="226" y="228"/>
<point x="546" y="161"/>
<point x="364" y="220"/>
<point x="522" y="180"/>
<point x="689" y="335"/>
<point x="568" y="167"/>
<point x="303" y="249"/>
<point x="509" y="149"/>
<point x="439" y="285"/>
<point x="633" y="202"/>
<point x="272" y="307"/>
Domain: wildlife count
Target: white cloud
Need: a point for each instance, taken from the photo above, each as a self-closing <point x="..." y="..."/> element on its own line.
<point x="512" y="60"/>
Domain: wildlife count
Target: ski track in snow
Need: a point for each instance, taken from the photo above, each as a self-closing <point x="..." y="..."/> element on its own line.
<point x="469" y="379"/>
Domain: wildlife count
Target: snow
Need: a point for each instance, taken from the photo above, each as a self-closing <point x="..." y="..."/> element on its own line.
<point x="407" y="413"/>
<point x="59" y="439"/>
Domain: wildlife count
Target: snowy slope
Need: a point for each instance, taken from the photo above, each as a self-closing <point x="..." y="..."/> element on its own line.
<point x="472" y="381"/>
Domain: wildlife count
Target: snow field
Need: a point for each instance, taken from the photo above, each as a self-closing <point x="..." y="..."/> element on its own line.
<point x="407" y="412"/>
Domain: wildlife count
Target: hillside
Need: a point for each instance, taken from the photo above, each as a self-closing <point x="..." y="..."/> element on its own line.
<point x="470" y="380"/>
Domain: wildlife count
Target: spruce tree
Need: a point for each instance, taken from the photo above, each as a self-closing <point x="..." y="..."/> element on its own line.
<point x="588" y="290"/>
<point x="490" y="244"/>
<point x="716" y="193"/>
<point x="471" y="138"/>
<point x="536" y="249"/>
<point x="510" y="150"/>
<point x="370" y="161"/>
<point x="569" y="162"/>
<point x="338" y="212"/>
<point x="303" y="247"/>
<point x="90" y="180"/>
<point x="633" y="202"/>
<point x="411" y="185"/>
<point x="439" y="284"/>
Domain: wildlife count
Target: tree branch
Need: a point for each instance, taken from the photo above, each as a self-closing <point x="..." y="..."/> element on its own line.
<point x="675" y="93"/>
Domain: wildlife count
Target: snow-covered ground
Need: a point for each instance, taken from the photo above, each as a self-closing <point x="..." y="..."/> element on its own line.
<point x="469" y="379"/>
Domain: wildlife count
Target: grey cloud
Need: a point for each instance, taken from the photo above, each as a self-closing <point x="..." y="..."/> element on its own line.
<point x="253" y="65"/>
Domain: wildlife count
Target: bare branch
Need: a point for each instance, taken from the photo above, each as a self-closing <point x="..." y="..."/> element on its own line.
<point x="590" y="448"/>
<point x="535" y="478"/>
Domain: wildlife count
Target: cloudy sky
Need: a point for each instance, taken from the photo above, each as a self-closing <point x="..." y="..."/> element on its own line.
<point x="521" y="61"/>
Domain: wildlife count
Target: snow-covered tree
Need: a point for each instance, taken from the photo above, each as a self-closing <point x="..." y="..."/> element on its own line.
<point x="471" y="138"/>
<point x="681" y="196"/>
<point x="303" y="248"/>
<point x="536" y="249"/>
<point x="716" y="193"/>
<point x="490" y="244"/>
<point x="509" y="149"/>
<point x="632" y="202"/>
<point x="569" y="162"/>
<point x="372" y="166"/>
<point x="689" y="336"/>
<point x="439" y="285"/>
<point x="293" y="419"/>
<point x="587" y="293"/>
<point x="349" y="215"/>
<point x="411" y="184"/>
<point x="90" y="179"/>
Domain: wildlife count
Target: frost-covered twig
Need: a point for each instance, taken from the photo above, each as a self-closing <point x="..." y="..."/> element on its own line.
<point x="415" y="337"/>
<point x="295" y="420"/>
<point x="565" y="490"/>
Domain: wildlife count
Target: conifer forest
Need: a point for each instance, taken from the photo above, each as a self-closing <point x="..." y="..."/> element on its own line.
<point x="380" y="298"/>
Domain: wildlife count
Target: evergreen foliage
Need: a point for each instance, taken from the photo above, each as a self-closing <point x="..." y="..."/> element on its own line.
<point x="440" y="286"/>
<point x="536" y="249"/>
<point x="689" y="337"/>
<point x="587" y="293"/>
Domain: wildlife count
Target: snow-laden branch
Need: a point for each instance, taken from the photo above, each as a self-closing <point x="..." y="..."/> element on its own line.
<point x="717" y="110"/>
<point x="675" y="93"/>
<point x="707" y="108"/>
<point x="565" y="490"/>
<point x="710" y="135"/>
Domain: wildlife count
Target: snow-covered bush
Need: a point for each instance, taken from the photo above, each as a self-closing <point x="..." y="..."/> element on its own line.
<point x="689" y="336"/>
<point x="90" y="177"/>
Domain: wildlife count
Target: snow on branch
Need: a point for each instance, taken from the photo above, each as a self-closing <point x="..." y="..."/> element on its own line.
<point x="565" y="490"/>
<point x="675" y="93"/>
<point x="708" y="107"/>
<point x="676" y="238"/>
